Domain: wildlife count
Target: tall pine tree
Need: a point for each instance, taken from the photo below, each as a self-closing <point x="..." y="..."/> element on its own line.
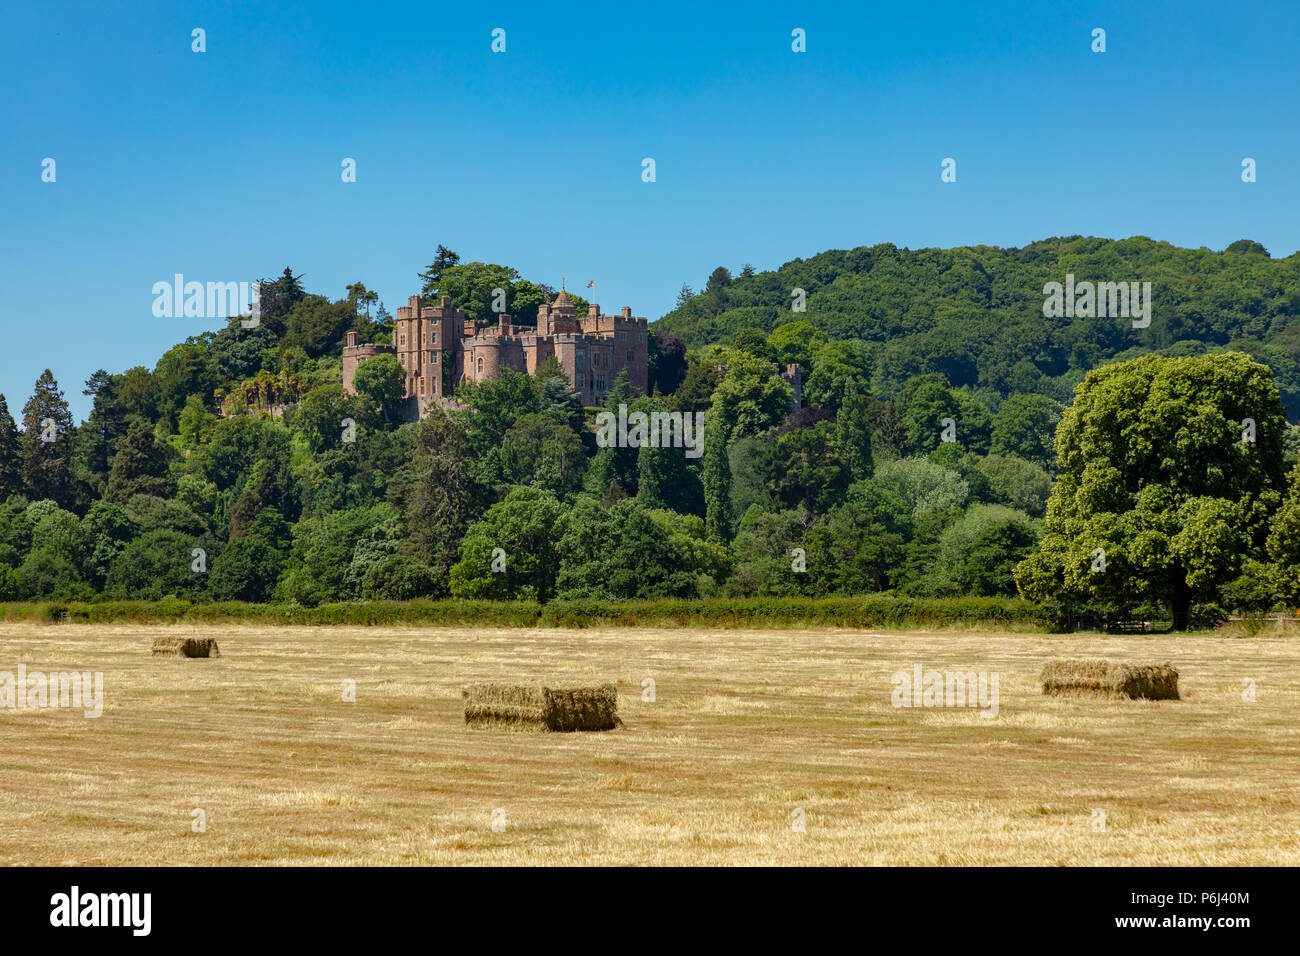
<point x="853" y="434"/>
<point x="443" y="259"/>
<point x="139" y="467"/>
<point x="716" y="477"/>
<point x="47" y="443"/>
<point x="11" y="465"/>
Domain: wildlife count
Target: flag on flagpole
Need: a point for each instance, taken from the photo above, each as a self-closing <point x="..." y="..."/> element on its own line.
<point x="591" y="283"/>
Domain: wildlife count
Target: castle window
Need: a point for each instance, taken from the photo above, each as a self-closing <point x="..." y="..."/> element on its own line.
<point x="480" y="363"/>
<point x="622" y="335"/>
<point x="402" y="340"/>
<point x="630" y="358"/>
<point x="582" y="381"/>
<point x="600" y="383"/>
<point x="581" y="356"/>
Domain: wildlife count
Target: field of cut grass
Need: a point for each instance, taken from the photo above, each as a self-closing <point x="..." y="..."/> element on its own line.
<point x="748" y="731"/>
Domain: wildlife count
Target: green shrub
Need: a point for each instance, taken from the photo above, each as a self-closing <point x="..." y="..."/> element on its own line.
<point x="874" y="611"/>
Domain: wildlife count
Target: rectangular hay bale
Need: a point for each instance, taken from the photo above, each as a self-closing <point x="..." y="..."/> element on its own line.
<point x="185" y="647"/>
<point x="534" y="707"/>
<point x="1098" y="678"/>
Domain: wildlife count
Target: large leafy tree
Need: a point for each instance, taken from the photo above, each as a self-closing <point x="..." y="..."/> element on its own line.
<point x="979" y="552"/>
<point x="322" y="552"/>
<point x="526" y="527"/>
<point x="931" y="409"/>
<point x="796" y="342"/>
<point x="60" y="549"/>
<point x="622" y="553"/>
<point x="836" y="365"/>
<point x="925" y="486"/>
<point x="806" y="470"/>
<point x="317" y="325"/>
<point x="110" y="529"/>
<point x="750" y="399"/>
<point x="1160" y="498"/>
<point x="248" y="568"/>
<point x="1016" y="482"/>
<point x="1284" y="543"/>
<point x="382" y="380"/>
<point x="157" y="565"/>
<point x="1025" y="426"/>
<point x="851" y="551"/>
<point x="320" y="415"/>
<point x="472" y="287"/>
<point x="494" y="406"/>
<point x="185" y="370"/>
<point x="764" y="554"/>
<point x="543" y="451"/>
<point x="238" y="350"/>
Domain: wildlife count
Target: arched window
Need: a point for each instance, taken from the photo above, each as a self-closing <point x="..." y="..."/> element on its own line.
<point x="480" y="363"/>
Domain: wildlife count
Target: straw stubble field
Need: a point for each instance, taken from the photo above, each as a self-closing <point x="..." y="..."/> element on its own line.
<point x="747" y="727"/>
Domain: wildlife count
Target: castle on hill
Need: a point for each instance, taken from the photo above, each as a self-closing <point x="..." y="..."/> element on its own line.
<point x="439" y="348"/>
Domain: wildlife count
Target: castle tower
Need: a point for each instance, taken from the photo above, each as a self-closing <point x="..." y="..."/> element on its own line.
<point x="428" y="340"/>
<point x="558" y="317"/>
<point x="354" y="355"/>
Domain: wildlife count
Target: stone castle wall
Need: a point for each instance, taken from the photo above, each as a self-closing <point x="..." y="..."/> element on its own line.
<point x="427" y="338"/>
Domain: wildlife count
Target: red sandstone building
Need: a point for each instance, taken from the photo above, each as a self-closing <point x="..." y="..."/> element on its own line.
<point x="439" y="348"/>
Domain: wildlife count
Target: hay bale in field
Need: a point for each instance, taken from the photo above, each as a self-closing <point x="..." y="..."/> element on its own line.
<point x="185" y="647"/>
<point x="534" y="707"/>
<point x="1095" y="678"/>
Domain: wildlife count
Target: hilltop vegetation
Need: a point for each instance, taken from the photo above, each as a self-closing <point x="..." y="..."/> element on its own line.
<point x="975" y="314"/>
<point x="923" y="462"/>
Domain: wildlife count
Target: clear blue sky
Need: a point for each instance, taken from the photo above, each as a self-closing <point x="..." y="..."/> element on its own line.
<point x="225" y="165"/>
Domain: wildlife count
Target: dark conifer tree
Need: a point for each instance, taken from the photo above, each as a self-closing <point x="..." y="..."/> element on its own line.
<point x="47" y="443"/>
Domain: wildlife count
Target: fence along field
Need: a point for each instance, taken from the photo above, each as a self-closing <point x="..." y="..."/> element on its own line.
<point x="749" y="735"/>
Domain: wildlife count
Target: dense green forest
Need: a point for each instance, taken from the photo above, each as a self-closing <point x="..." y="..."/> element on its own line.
<point x="923" y="461"/>
<point x="975" y="314"/>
